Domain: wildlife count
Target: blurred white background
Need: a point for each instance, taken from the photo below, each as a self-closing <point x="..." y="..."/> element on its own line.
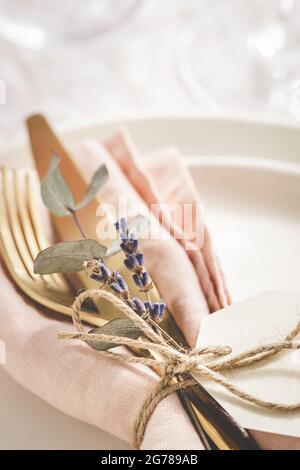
<point x="76" y="60"/>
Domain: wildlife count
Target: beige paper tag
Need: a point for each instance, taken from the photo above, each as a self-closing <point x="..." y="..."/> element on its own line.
<point x="262" y="319"/>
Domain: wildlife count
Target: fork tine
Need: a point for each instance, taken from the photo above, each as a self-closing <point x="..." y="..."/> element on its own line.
<point x="9" y="252"/>
<point x="34" y="213"/>
<point x="36" y="227"/>
<point x="57" y="299"/>
<point x="14" y="222"/>
<point x="24" y="216"/>
<point x="21" y="204"/>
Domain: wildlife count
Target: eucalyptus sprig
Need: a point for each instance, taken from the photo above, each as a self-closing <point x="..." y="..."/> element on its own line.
<point x="74" y="256"/>
<point x="69" y="256"/>
<point x="58" y="197"/>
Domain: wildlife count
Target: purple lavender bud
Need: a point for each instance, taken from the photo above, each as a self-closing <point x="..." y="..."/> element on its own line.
<point x="131" y="262"/>
<point x="115" y="287"/>
<point x="139" y="306"/>
<point x="97" y="277"/>
<point x="146" y="279"/>
<point x="123" y="225"/>
<point x="105" y="272"/>
<point x="134" y="245"/>
<point x="128" y="264"/>
<point x="149" y="305"/>
<point x="125" y="248"/>
<point x="120" y="281"/>
<point x="124" y="237"/>
<point x="162" y="308"/>
<point x="117" y="226"/>
<point x="156" y="310"/>
<point x="137" y="280"/>
<point x="140" y="258"/>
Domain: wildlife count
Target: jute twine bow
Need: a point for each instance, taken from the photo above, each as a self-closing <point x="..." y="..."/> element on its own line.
<point x="172" y="362"/>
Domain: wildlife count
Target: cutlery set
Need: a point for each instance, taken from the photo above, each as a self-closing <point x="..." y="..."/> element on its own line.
<point x="22" y="237"/>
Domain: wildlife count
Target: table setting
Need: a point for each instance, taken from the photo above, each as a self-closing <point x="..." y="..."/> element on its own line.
<point x="149" y="232"/>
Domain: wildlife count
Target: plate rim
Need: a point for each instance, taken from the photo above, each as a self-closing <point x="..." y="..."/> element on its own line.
<point x="66" y="130"/>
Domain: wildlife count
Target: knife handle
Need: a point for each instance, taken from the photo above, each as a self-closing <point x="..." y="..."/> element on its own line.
<point x="196" y="420"/>
<point x="225" y="432"/>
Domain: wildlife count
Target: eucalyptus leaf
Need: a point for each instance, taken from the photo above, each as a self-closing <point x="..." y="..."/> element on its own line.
<point x="114" y="248"/>
<point x="66" y="257"/>
<point x="118" y="327"/>
<point x="95" y="185"/>
<point x="139" y="224"/>
<point x="55" y="192"/>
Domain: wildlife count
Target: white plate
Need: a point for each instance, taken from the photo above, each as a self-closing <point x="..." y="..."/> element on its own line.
<point x="248" y="174"/>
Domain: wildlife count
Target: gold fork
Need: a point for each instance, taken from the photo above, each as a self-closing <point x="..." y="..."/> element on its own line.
<point x="22" y="237"/>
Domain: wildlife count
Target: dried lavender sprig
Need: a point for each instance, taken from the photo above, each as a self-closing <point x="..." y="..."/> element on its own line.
<point x="134" y="262"/>
<point x="156" y="309"/>
<point x="98" y="271"/>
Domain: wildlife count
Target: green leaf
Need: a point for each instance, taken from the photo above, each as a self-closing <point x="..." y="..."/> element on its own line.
<point x="97" y="182"/>
<point x="114" y="248"/>
<point x="139" y="224"/>
<point x="118" y="327"/>
<point x="66" y="257"/>
<point x="55" y="192"/>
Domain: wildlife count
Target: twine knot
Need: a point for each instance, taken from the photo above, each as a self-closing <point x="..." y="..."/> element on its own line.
<point x="177" y="365"/>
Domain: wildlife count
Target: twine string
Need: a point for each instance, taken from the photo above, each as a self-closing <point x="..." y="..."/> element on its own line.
<point x="171" y="363"/>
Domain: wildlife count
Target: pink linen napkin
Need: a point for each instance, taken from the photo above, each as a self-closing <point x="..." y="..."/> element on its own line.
<point x="72" y="376"/>
<point x="163" y="177"/>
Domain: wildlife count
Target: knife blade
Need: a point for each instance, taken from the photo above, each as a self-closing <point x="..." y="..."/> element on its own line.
<point x="43" y="143"/>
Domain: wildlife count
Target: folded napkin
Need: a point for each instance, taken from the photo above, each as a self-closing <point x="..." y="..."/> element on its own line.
<point x="75" y="378"/>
